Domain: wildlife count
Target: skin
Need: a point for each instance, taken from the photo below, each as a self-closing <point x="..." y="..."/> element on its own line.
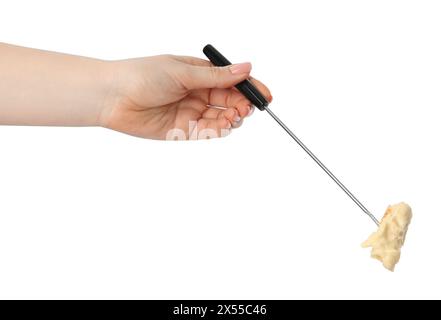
<point x="143" y="97"/>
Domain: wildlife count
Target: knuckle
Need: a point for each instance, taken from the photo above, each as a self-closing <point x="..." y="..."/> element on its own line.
<point x="215" y="75"/>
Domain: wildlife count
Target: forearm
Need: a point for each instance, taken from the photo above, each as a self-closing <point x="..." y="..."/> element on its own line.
<point x="46" y="88"/>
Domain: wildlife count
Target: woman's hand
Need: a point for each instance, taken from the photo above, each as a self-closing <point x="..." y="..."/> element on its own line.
<point x="163" y="97"/>
<point x="175" y="97"/>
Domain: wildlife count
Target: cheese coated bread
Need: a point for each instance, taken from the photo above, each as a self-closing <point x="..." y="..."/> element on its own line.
<point x="386" y="243"/>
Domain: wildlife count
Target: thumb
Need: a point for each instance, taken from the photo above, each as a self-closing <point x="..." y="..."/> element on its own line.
<point x="199" y="77"/>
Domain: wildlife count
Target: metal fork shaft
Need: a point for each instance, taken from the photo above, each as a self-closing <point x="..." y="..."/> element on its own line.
<point x="328" y="172"/>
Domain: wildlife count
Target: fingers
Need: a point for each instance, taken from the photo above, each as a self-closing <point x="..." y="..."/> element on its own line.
<point x="193" y="61"/>
<point x="263" y="89"/>
<point x="213" y="122"/>
<point x="212" y="113"/>
<point x="200" y="77"/>
<point x="230" y="106"/>
<point x="235" y="108"/>
<point x="213" y="128"/>
<point x="230" y="98"/>
<point x="219" y="78"/>
<point x="231" y="114"/>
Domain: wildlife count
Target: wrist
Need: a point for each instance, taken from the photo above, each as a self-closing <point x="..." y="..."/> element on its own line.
<point x="108" y="89"/>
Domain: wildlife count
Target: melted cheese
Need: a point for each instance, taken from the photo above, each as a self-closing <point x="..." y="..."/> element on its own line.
<point x="386" y="243"/>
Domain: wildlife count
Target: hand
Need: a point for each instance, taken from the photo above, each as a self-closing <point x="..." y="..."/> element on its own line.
<point x="166" y="96"/>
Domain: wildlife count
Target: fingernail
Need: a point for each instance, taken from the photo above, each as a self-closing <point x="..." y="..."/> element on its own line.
<point x="251" y="111"/>
<point x="225" y="132"/>
<point x="236" y="118"/>
<point x="228" y="125"/>
<point x="240" y="68"/>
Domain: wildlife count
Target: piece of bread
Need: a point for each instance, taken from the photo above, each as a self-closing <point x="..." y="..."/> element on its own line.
<point x="386" y="243"/>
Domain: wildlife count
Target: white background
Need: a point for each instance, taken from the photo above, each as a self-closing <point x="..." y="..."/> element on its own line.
<point x="91" y="213"/>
